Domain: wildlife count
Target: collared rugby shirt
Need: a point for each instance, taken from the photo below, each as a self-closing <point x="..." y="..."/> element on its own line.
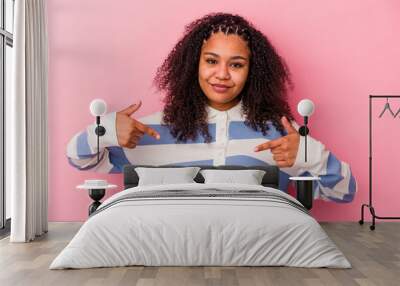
<point x="232" y="143"/>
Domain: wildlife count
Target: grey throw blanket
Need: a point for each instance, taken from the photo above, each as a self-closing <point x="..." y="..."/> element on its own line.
<point x="204" y="193"/>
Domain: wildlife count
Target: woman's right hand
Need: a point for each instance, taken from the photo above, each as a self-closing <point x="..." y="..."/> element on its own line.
<point x="129" y="130"/>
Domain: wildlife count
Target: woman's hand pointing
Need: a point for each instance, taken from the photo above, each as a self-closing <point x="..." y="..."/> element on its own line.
<point x="285" y="148"/>
<point x="129" y="130"/>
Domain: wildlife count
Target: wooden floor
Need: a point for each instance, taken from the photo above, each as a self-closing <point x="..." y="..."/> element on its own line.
<point x="374" y="255"/>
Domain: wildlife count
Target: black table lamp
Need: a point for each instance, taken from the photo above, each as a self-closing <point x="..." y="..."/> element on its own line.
<point x="98" y="107"/>
<point x="305" y="108"/>
<point x="97" y="188"/>
<point x="304" y="185"/>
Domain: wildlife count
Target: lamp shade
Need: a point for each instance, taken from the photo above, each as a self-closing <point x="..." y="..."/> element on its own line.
<point x="305" y="107"/>
<point x="98" y="107"/>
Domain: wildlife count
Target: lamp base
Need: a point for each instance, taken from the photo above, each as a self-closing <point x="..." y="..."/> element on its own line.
<point x="100" y="130"/>
<point x="303" y="130"/>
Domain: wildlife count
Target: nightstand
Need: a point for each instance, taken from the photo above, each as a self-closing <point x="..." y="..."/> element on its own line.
<point x="96" y="190"/>
<point x="304" y="190"/>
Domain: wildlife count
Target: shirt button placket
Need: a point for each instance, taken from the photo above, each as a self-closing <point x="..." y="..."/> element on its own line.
<point x="223" y="138"/>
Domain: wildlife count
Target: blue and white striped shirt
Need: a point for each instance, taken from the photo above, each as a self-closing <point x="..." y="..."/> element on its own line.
<point x="232" y="143"/>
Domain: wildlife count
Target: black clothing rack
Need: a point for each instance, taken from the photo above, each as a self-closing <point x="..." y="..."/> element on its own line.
<point x="369" y="205"/>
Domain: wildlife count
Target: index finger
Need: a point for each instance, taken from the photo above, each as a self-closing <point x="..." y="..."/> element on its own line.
<point x="268" y="145"/>
<point x="146" y="129"/>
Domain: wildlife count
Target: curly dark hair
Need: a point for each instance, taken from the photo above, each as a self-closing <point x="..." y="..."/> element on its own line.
<point x="264" y="96"/>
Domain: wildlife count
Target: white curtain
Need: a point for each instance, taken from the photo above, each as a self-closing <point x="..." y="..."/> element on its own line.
<point x="27" y="123"/>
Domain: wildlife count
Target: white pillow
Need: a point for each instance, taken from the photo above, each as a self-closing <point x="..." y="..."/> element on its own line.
<point x="162" y="176"/>
<point x="248" y="177"/>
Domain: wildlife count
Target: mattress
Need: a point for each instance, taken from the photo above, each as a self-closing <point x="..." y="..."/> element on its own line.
<point x="201" y="225"/>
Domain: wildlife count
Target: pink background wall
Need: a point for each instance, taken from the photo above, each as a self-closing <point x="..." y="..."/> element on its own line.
<point x="338" y="51"/>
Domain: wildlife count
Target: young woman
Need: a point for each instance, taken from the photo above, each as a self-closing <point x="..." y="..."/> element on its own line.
<point x="225" y="103"/>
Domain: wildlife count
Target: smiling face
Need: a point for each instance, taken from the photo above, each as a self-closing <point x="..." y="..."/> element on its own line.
<point x="223" y="69"/>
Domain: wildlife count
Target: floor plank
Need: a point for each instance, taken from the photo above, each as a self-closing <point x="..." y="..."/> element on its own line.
<point x="374" y="255"/>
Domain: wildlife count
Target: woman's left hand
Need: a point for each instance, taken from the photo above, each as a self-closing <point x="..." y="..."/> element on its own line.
<point x="284" y="149"/>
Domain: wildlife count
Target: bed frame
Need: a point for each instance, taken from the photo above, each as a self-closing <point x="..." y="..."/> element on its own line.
<point x="270" y="179"/>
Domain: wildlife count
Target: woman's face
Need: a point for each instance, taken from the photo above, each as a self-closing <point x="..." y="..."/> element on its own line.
<point x="223" y="69"/>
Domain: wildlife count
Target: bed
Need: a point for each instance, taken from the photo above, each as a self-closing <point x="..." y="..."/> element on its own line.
<point x="201" y="224"/>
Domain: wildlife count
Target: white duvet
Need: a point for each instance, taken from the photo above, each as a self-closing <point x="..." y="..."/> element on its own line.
<point x="200" y="231"/>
